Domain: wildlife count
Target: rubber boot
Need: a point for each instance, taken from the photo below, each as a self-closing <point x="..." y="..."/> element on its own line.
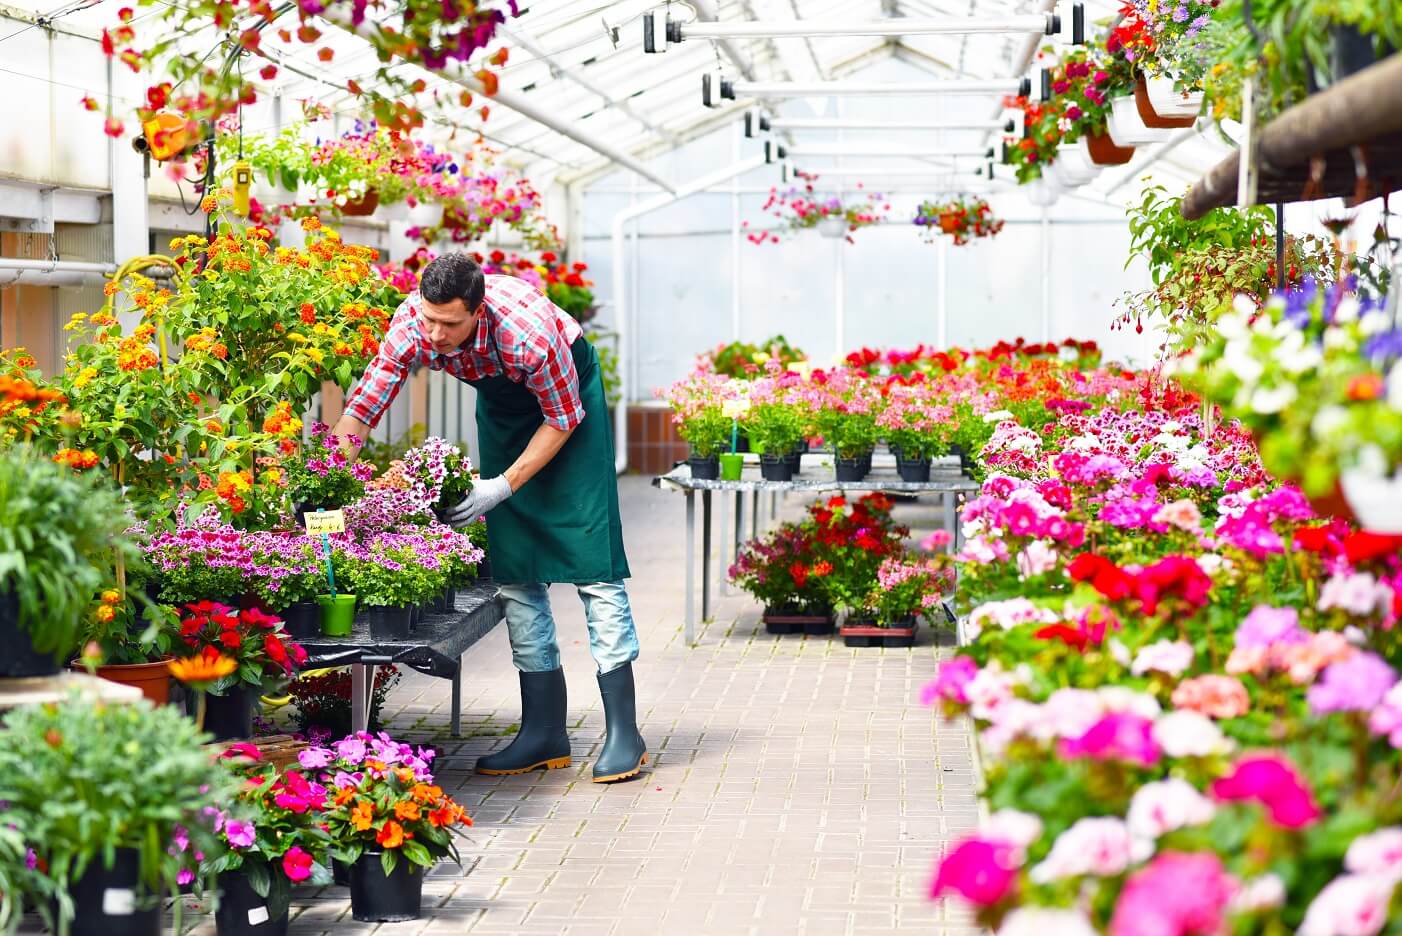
<point x="624" y="751"/>
<point x="542" y="740"/>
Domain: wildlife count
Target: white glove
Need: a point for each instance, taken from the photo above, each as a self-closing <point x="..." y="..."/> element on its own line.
<point x="485" y="494"/>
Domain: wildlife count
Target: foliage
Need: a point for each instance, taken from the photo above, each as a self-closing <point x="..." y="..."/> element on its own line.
<point x="699" y="404"/>
<point x="742" y="359"/>
<point x="775" y="569"/>
<point x="321" y="476"/>
<point x="606" y="347"/>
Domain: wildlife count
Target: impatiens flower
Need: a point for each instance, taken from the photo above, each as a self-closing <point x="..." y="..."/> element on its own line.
<point x="1185" y="733"/>
<point x="297" y="864"/>
<point x="315" y="758"/>
<point x="1357" y="684"/>
<point x="351" y="750"/>
<point x="980" y="871"/>
<point x="185" y="877"/>
<point x="1018" y="829"/>
<point x="1263" y="893"/>
<point x="1165" y="656"/>
<point x="1099" y="845"/>
<point x="1117" y="736"/>
<point x="1045" y="921"/>
<point x="239" y="833"/>
<point x="1176" y="895"/>
<point x="1349" y="905"/>
<point x="1378" y="853"/>
<point x="950" y="681"/>
<point x="1160" y="807"/>
<point x="1272" y="781"/>
<point x="1213" y="695"/>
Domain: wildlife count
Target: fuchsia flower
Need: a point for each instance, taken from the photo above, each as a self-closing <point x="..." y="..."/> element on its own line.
<point x="1118" y="736"/>
<point x="297" y="864"/>
<point x="1357" y="684"/>
<point x="1272" y="781"/>
<point x="982" y="872"/>
<point x="950" y="681"/>
<point x="1176" y="895"/>
<point x="239" y="833"/>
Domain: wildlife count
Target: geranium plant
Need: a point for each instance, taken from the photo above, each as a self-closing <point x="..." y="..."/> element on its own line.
<point x="851" y="539"/>
<point x="323" y="701"/>
<point x="916" y="421"/>
<point x="265" y="657"/>
<point x="698" y="411"/>
<point x="744" y="359"/>
<point x="908" y="590"/>
<point x="778" y="570"/>
<point x="321" y="476"/>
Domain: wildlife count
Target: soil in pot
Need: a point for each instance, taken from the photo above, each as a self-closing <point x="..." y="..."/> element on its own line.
<point x="112" y="901"/>
<point x="229" y="717"/>
<point x="380" y="898"/>
<point x="850" y="469"/>
<point x="704" y="469"/>
<point x="302" y="619"/>
<point x="775" y="468"/>
<point x="389" y="623"/>
<point x="242" y="912"/>
<point x="17" y="654"/>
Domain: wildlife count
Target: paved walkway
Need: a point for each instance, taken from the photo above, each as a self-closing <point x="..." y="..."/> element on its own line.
<point x="796" y="786"/>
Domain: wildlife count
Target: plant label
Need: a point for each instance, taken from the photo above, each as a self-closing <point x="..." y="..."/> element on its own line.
<point x="118" y="901"/>
<point x="257" y="915"/>
<point x="734" y="409"/>
<point x="322" y="522"/>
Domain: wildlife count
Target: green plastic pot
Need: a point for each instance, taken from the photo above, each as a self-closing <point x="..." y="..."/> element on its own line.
<point x="337" y="614"/>
<point x="731" y="464"/>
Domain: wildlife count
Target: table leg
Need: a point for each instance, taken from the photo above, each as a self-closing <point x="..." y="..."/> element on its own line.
<point x="951" y="521"/>
<point x="705" y="555"/>
<point x="754" y="515"/>
<point x="360" y="696"/>
<point x="721" y="562"/>
<point x="455" y="721"/>
<point x="739" y="524"/>
<point x="689" y="631"/>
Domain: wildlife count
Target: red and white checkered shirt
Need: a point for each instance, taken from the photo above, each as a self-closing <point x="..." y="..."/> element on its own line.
<point x="522" y="335"/>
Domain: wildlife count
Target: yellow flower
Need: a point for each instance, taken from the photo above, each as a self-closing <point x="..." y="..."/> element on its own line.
<point x="315" y="354"/>
<point x="274" y="475"/>
<point x="321" y="328"/>
<point x="297" y="337"/>
<point x="111" y="596"/>
<point x="85" y="377"/>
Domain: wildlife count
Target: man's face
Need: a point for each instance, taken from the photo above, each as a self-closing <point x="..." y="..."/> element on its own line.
<point x="449" y="325"/>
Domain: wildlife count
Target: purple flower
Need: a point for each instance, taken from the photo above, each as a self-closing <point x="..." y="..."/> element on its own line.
<point x="239" y="833"/>
<point x="315" y="758"/>
<point x="1180" y="13"/>
<point x="344" y="780"/>
<point x="186" y="876"/>
<point x="1357" y="684"/>
<point x="351" y="750"/>
<point x="1266" y="625"/>
<point x="31" y="859"/>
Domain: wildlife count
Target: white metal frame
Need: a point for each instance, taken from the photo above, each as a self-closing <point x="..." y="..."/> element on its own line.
<point x="1017" y="24"/>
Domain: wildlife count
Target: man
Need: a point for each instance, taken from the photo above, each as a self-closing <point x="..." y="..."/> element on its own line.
<point x="548" y="489"/>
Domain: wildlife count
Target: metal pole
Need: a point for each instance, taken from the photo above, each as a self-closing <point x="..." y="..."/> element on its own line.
<point x="868" y="88"/>
<point x="1034" y="23"/>
<point x="689" y="622"/>
<point x="705" y="556"/>
<point x="819" y="123"/>
<point x="1280" y="245"/>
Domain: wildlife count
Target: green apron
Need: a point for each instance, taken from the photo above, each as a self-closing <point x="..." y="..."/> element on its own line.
<point x="563" y="524"/>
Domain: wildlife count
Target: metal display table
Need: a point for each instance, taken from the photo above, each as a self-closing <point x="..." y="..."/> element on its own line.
<point x="434" y="648"/>
<point x="947" y="480"/>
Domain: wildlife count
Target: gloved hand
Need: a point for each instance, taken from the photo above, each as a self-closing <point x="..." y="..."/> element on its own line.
<point x="485" y="494"/>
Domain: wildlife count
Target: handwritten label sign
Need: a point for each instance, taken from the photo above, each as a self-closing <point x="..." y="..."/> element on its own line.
<point x="322" y="522"/>
<point x="734" y="409"/>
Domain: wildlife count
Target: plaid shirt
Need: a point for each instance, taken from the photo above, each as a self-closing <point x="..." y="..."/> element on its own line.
<point x="522" y="335"/>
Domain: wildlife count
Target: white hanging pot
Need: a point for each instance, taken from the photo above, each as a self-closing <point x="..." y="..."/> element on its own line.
<point x="1042" y="192"/>
<point x="425" y="214"/>
<point x="1127" y="128"/>
<point x="1376" y="499"/>
<point x="399" y="211"/>
<point x="1075" y="163"/>
<point x="833" y="226"/>
<point x="1168" y="101"/>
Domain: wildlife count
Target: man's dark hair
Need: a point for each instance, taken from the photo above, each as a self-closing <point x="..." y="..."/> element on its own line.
<point x="454" y="276"/>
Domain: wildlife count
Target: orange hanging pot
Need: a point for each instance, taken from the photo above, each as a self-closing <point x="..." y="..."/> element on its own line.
<point x="949" y="222"/>
<point x="362" y="206"/>
<point x="1103" y="151"/>
<point x="1152" y="117"/>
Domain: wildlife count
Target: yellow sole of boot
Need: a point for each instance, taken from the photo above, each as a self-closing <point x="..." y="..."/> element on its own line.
<point x="625" y="775"/>
<point x="552" y="764"/>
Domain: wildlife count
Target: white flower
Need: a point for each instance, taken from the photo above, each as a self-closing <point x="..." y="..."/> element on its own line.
<point x="1100" y="845"/>
<point x="997" y="416"/>
<point x="1378" y="853"/>
<point x="1374" y="323"/>
<point x="1159" y="808"/>
<point x="1069" y="713"/>
<point x="1185" y="733"/>
<point x="1119" y="652"/>
<point x="1238" y="359"/>
<point x="1273" y="400"/>
<point x="1011" y="719"/>
<point x="1125" y="699"/>
<point x="1165" y="656"/>
<point x="1045" y="921"/>
<point x="987" y="691"/>
<point x="1018" y="829"/>
<point x="1358" y="593"/>
<point x="1394" y="386"/>
<point x="1263" y="893"/>
<point x="1349" y="905"/>
<point x="1039" y="557"/>
<point x="1346" y="310"/>
<point x="1328" y="420"/>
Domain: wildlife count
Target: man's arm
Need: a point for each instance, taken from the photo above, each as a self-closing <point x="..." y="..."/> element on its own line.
<point x="348" y="425"/>
<point x="544" y="446"/>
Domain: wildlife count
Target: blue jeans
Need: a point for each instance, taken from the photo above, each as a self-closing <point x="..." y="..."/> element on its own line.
<point x="613" y="638"/>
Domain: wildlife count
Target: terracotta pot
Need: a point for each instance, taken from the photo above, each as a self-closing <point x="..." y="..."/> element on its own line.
<point x="1103" y="152"/>
<point x="362" y="206"/>
<point x="949" y="222"/>
<point x="1152" y="117"/>
<point x="153" y="679"/>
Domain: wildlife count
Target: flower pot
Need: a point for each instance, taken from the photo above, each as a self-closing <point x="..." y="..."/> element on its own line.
<point x="1104" y="152"/>
<point x="380" y="898"/>
<point x="1151" y="117"/>
<point x="112" y="901"/>
<point x="425" y="214"/>
<point x="949" y="222"/>
<point x="795" y="462"/>
<point x="153" y="679"/>
<point x="388" y="622"/>
<point x="416" y="616"/>
<point x="1351" y="51"/>
<point x="732" y="465"/>
<point x="916" y="471"/>
<point x="340" y="873"/>
<point x="1074" y="165"/>
<point x="337" y="614"/>
<point x="229" y="717"/>
<point x="742" y="442"/>
<point x="865" y="459"/>
<point x="796" y="622"/>
<point x="864" y="634"/>
<point x="1166" y="101"/>
<point x="1376" y="501"/>
<point x="450" y="600"/>
<point x="775" y="468"/>
<point x="17" y="654"/>
<point x="1042" y="191"/>
<point x="704" y="469"/>
<point x="850" y="469"/>
<point x="242" y="912"/>
<point x="302" y="619"/>
<point x="363" y="206"/>
<point x="833" y="226"/>
<point x="1125" y="126"/>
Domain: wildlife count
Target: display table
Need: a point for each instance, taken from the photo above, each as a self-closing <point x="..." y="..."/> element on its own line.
<point x="38" y="690"/>
<point x="434" y="648"/>
<point x="816" y="476"/>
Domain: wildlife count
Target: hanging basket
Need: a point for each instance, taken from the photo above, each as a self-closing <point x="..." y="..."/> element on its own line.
<point x="949" y="222"/>
<point x="833" y="226"/>
<point x="363" y="206"/>
<point x="1150" y="116"/>
<point x="1167" y="101"/>
<point x="1042" y="191"/>
<point x="1104" y="152"/>
<point x="1376" y="501"/>
<point x="1075" y="163"/>
<point x="1126" y="128"/>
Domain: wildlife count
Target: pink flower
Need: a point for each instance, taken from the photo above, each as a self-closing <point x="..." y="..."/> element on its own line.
<point x="950" y="681"/>
<point x="1272" y="781"/>
<point x="1098" y="845"/>
<point x="1378" y="853"/>
<point x="239" y="833"/>
<point x="1165" y="656"/>
<point x="982" y="872"/>
<point x="1182" y="514"/>
<point x="936" y="540"/>
<point x="1349" y="905"/>
<point x="1266" y="625"/>
<point x="1164" y="805"/>
<point x="297" y="864"/>
<point x="1213" y="695"/>
<point x="1357" y="684"/>
<point x="1177" y="895"/>
<point x="1117" y="736"/>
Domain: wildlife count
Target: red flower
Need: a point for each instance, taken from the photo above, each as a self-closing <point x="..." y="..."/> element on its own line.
<point x="548" y="257"/>
<point x="308" y="313"/>
<point x="297" y="864"/>
<point x="1172" y="575"/>
<point x="1363" y="546"/>
<point x="1071" y="636"/>
<point x="231" y="638"/>
<point x="799" y="574"/>
<point x="1102" y="574"/>
<point x="277" y="652"/>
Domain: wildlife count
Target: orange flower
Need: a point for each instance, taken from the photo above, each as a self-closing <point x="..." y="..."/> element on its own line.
<point x="213" y="426"/>
<point x="1365" y="387"/>
<point x="208" y="667"/>
<point x="311" y="224"/>
<point x="442" y="817"/>
<point x="308" y="313"/>
<point x="111" y="596"/>
<point x="408" y="812"/>
<point x="391" y="836"/>
<point x="423" y="793"/>
<point x="343" y="796"/>
<point x="404" y="774"/>
<point x="362" y="816"/>
<point x="105" y="613"/>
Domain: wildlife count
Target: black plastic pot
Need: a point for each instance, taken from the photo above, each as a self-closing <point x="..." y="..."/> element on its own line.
<point x="794" y="461"/>
<point x="302" y="619"/>
<point x="850" y="469"/>
<point x="775" y="468"/>
<point x="376" y="898"/>
<point x="705" y="469"/>
<point x="450" y="600"/>
<point x="917" y="471"/>
<point x="230" y="717"/>
<point x="416" y="615"/>
<point x="866" y="463"/>
<point x="742" y="442"/>
<point x="389" y="622"/>
<point x="340" y="873"/>
<point x="242" y="912"/>
<point x="17" y="654"/>
<point x="112" y="901"/>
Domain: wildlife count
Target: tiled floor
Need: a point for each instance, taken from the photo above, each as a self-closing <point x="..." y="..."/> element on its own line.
<point x="797" y="786"/>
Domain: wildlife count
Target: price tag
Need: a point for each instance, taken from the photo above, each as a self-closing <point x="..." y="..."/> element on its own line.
<point x="320" y="522"/>
<point x="734" y="409"/>
<point x="257" y="915"/>
<point x="118" y="901"/>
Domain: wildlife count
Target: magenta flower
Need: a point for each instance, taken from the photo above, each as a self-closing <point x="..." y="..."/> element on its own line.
<point x="949" y="683"/>
<point x="982" y="872"/>
<point x="239" y="833"/>
<point x="1357" y="684"/>
<point x="297" y="864"/>
<point x="1176" y="895"/>
<point x="1118" y="736"/>
<point x="1272" y="781"/>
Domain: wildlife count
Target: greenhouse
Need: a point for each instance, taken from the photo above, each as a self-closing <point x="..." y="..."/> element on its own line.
<point x="700" y="467"/>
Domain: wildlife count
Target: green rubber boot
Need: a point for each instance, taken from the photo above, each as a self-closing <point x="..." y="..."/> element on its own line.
<point x="542" y="741"/>
<point x="624" y="752"/>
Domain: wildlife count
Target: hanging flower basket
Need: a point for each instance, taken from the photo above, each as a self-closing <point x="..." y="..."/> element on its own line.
<point x="1074" y="165"/>
<point x="1042" y="191"/>
<point x="1150" y="116"/>
<point x="363" y="206"/>
<point x="1125" y="126"/>
<point x="833" y="227"/>
<point x="1104" y="151"/>
<point x="1376" y="501"/>
<point x="949" y="222"/>
<point x="1162" y="95"/>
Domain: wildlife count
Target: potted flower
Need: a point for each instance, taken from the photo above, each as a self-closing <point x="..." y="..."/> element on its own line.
<point x="62" y="535"/>
<point x="846" y="411"/>
<point x="779" y="570"/>
<point x="802" y="209"/>
<point x="388" y="821"/>
<point x="905" y="591"/>
<point x="962" y="218"/>
<point x="382" y="579"/>
<point x="438" y="472"/>
<point x="851" y="539"/>
<point x="323" y="701"/>
<point x="264" y="660"/>
<point x="21" y="880"/>
<point x="106" y="842"/>
<point x="775" y="425"/>
<point x="698" y="411"/>
<point x="914" y="423"/>
<point x="293" y="576"/>
<point x="273" y="840"/>
<point x="321" y="477"/>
